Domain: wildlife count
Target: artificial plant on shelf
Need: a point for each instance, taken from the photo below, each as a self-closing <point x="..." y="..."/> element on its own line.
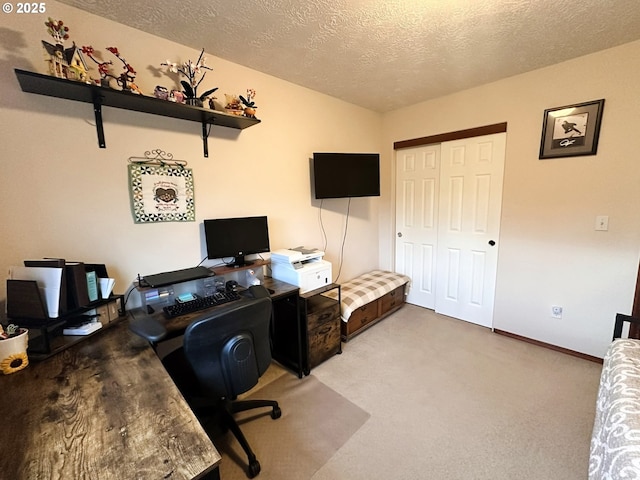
<point x="194" y="72"/>
<point x="103" y="67"/>
<point x="124" y="80"/>
<point x="249" y="105"/>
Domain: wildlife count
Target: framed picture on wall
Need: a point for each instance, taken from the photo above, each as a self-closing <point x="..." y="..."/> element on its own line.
<point x="572" y="130"/>
<point x="161" y="193"/>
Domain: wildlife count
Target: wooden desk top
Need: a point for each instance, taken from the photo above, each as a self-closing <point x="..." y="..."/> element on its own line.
<point x="278" y="290"/>
<point x="105" y="408"/>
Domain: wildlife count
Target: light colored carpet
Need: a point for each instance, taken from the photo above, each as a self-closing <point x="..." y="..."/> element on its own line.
<point x="421" y="396"/>
<point x="316" y="421"/>
<point x="450" y="400"/>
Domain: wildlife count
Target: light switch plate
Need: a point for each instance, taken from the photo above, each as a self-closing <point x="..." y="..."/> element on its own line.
<point x="602" y="223"/>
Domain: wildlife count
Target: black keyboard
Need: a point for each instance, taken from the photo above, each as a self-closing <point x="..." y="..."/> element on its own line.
<point x="200" y="303"/>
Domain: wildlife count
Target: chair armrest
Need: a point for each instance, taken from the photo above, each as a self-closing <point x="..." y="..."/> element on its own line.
<point x="259" y="291"/>
<point x="148" y="328"/>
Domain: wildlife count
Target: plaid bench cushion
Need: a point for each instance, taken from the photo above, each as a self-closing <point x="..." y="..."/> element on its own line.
<point x="366" y="288"/>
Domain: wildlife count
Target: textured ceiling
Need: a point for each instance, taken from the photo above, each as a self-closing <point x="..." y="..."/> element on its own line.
<point x="384" y="54"/>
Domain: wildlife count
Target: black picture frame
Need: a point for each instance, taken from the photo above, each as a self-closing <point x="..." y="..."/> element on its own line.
<point x="572" y="130"/>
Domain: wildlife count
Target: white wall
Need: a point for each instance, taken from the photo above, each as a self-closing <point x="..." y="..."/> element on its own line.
<point x="549" y="252"/>
<point x="62" y="196"/>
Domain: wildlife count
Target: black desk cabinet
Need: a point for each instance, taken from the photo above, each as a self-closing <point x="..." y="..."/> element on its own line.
<point x="285" y="327"/>
<point x="306" y="329"/>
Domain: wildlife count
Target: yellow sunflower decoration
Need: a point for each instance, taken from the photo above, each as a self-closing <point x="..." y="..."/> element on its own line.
<point x="14" y="363"/>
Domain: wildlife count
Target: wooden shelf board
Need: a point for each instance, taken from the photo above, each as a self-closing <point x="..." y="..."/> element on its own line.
<point x="84" y="92"/>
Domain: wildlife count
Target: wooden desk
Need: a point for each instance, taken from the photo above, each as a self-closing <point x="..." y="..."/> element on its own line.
<point x="105" y="408"/>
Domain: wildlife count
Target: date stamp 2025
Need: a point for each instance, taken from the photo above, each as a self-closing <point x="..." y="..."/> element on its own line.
<point x="27" y="7"/>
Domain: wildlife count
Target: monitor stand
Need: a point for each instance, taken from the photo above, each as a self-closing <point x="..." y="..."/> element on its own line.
<point x="240" y="262"/>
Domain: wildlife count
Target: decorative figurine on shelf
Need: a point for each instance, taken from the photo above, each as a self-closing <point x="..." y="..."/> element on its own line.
<point x="249" y="106"/>
<point x="176" y="96"/>
<point x="63" y="62"/>
<point x="233" y="104"/>
<point x="161" y="92"/>
<point x="125" y="80"/>
<point x="192" y="71"/>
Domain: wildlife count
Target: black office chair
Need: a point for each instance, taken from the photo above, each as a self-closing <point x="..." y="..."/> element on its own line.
<point x="223" y="354"/>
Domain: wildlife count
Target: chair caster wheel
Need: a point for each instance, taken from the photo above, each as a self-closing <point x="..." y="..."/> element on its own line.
<point x="276" y="413"/>
<point x="254" y="469"/>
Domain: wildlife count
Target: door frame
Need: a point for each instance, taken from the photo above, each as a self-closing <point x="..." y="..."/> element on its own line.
<point x="457" y="135"/>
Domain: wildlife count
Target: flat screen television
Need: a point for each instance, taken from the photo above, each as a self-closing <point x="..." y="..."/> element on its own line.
<point x="340" y="175"/>
<point x="236" y="238"/>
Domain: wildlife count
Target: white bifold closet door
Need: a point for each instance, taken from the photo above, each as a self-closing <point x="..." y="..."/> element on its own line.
<point x="448" y="206"/>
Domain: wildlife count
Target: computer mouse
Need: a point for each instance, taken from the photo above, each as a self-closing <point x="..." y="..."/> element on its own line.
<point x="231" y="286"/>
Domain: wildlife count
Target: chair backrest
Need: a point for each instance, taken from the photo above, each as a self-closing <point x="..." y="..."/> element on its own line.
<point x="230" y="349"/>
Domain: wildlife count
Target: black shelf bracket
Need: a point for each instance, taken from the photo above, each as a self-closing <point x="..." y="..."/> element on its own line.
<point x="205" y="140"/>
<point x="97" y="111"/>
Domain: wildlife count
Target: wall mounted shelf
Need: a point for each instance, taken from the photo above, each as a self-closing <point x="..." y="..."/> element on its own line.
<point x="102" y="96"/>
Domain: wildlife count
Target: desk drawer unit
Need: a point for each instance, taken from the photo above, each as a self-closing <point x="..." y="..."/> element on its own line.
<point x="322" y="337"/>
<point x="324" y="342"/>
<point x="323" y="334"/>
<point x="321" y="310"/>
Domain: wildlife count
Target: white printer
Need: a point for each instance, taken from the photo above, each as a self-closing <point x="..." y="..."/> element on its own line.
<point x="302" y="267"/>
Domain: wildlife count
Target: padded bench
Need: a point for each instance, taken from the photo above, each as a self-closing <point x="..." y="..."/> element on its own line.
<point x="367" y="299"/>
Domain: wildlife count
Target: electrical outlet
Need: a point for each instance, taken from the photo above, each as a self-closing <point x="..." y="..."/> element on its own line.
<point x="556" y="311"/>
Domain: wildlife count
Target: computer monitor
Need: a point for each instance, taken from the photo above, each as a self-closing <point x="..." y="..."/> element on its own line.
<point x="236" y="238"/>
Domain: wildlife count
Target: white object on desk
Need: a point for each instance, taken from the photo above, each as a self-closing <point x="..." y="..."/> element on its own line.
<point x="304" y="268"/>
<point x="252" y="278"/>
<point x="106" y="286"/>
<point x="85" y="329"/>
